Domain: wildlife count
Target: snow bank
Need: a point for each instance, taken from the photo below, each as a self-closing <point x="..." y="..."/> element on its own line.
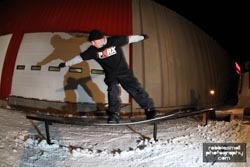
<point x="179" y="145"/>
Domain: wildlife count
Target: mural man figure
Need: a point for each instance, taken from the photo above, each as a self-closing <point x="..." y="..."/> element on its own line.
<point x="107" y="51"/>
<point x="65" y="49"/>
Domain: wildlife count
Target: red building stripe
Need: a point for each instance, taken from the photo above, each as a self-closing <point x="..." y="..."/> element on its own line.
<point x="9" y="65"/>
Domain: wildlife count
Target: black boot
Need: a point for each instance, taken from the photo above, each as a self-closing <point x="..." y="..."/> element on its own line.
<point x="152" y="113"/>
<point x="113" y="117"/>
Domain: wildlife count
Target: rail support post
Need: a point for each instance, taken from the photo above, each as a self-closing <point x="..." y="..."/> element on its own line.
<point x="155" y="131"/>
<point x="47" y="132"/>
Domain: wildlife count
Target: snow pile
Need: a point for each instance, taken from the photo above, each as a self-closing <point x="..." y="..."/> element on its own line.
<point x="180" y="143"/>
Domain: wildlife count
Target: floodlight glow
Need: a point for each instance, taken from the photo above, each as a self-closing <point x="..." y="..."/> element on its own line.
<point x="212" y="92"/>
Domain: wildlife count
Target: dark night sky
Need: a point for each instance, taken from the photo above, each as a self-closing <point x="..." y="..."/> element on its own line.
<point x="226" y="22"/>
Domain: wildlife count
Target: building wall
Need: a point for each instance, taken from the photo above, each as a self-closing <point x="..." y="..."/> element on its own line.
<point x="244" y="92"/>
<point x="73" y="16"/>
<point x="9" y="63"/>
<point x="4" y="43"/>
<point x="110" y="16"/>
<point x="40" y="54"/>
<point x="177" y="65"/>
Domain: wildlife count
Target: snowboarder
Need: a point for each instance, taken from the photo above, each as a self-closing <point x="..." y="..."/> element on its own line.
<point x="107" y="51"/>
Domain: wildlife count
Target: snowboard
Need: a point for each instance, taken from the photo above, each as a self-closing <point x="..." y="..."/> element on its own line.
<point x="175" y="115"/>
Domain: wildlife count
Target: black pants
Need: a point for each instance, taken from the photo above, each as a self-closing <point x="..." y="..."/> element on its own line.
<point x="132" y="86"/>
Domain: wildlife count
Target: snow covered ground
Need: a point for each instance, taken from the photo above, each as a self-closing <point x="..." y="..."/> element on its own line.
<point x="180" y="143"/>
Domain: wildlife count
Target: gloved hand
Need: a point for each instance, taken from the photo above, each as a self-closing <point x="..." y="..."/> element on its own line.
<point x="145" y="36"/>
<point x="61" y="65"/>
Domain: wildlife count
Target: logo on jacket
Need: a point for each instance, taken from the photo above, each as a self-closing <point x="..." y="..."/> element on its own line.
<point x="107" y="53"/>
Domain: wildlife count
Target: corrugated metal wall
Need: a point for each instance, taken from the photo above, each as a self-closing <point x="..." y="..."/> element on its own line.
<point x="244" y="100"/>
<point x="111" y="16"/>
<point x="179" y="63"/>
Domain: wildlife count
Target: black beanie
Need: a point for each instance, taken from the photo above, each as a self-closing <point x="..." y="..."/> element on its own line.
<point x="94" y="35"/>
